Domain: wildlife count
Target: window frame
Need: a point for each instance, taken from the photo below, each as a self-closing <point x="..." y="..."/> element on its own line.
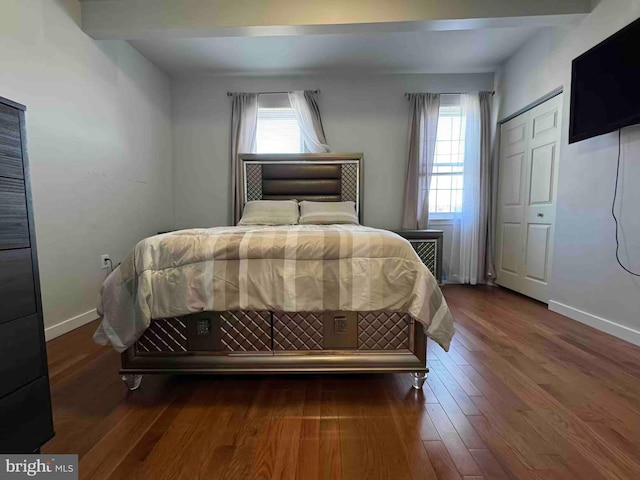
<point x="448" y="101"/>
<point x="276" y="101"/>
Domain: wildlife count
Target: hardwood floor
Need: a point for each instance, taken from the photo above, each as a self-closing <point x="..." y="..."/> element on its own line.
<point x="523" y="394"/>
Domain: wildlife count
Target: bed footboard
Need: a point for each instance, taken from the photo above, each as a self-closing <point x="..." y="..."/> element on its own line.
<point x="249" y="342"/>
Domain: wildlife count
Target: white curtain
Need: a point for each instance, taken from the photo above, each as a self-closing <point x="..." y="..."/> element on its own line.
<point x="487" y="200"/>
<point x="421" y="146"/>
<point x="305" y="109"/>
<point x="465" y="251"/>
<point x="244" y="120"/>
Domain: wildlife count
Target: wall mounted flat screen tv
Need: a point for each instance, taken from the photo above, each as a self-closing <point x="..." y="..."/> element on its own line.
<point x="605" y="86"/>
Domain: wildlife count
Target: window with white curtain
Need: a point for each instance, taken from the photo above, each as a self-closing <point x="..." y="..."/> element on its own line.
<point x="445" y="193"/>
<point x="277" y="130"/>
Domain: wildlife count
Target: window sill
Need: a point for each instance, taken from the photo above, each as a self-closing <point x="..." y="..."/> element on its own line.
<point x="445" y="217"/>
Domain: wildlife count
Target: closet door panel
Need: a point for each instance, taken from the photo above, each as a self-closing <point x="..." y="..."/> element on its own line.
<point x="527" y="197"/>
<point x="511" y="206"/>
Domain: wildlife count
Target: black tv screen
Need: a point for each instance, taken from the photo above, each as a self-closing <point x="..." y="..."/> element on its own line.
<point x="605" y="86"/>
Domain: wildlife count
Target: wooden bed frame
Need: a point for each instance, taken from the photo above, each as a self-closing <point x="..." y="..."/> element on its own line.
<point x="248" y="342"/>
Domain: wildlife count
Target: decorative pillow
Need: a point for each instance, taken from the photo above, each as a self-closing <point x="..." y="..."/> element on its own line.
<point x="270" y="212"/>
<point x="328" y="212"/>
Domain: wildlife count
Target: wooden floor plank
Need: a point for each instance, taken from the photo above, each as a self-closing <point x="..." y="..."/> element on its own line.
<point x="460" y="378"/>
<point x="502" y="449"/>
<point x="441" y="460"/>
<point x="414" y="424"/>
<point x="451" y="439"/>
<point x="371" y="445"/>
<point x="523" y="394"/>
<point x="453" y="388"/>
<point x="489" y="465"/>
<point x="309" y="450"/>
<point x="253" y="427"/>
<point x="456" y="416"/>
<point x="330" y="454"/>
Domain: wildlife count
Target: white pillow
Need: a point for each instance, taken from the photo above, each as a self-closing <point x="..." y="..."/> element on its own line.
<point x="324" y="213"/>
<point x="270" y="212"/>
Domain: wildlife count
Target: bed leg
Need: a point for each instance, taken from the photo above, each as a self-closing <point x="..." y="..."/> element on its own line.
<point x="418" y="379"/>
<point x="132" y="381"/>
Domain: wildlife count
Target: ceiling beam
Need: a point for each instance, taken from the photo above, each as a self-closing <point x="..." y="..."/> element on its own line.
<point x="139" y="19"/>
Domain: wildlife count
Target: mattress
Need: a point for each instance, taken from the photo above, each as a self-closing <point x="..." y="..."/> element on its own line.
<point x="293" y="268"/>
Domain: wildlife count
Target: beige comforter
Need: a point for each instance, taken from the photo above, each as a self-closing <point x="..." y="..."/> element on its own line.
<point x="279" y="268"/>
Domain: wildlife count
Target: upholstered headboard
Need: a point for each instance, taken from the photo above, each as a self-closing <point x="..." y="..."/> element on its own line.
<point x="322" y="177"/>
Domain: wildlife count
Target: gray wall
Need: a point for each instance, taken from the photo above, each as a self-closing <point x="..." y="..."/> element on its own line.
<point x="99" y="132"/>
<point x="587" y="283"/>
<point x="360" y="114"/>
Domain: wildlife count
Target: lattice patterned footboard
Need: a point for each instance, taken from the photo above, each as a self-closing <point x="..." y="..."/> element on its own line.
<point x="277" y="342"/>
<point x="250" y="332"/>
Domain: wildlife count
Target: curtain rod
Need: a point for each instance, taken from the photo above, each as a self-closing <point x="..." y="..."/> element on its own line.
<point x="229" y="94"/>
<point x="406" y="95"/>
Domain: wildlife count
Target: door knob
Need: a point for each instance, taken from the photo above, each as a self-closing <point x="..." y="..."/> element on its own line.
<point x="541" y="215"/>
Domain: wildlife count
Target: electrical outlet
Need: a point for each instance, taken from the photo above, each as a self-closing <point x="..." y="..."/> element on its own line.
<point x="105" y="261"/>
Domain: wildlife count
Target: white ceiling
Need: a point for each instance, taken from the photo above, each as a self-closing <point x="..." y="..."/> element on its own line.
<point x="458" y="51"/>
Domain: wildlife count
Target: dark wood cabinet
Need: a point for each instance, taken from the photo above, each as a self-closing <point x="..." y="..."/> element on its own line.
<point x="17" y="289"/>
<point x="25" y="418"/>
<point x="25" y="404"/>
<point x="14" y="229"/>
<point x="10" y="142"/>
<point x="22" y="359"/>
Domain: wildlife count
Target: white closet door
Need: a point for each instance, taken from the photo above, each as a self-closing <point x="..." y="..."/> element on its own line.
<point x="527" y="184"/>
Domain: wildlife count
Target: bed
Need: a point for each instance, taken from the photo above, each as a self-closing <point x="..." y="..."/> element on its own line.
<point x="276" y="299"/>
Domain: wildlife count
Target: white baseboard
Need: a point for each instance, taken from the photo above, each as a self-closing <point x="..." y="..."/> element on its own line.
<point x="66" y="326"/>
<point x="602" y="324"/>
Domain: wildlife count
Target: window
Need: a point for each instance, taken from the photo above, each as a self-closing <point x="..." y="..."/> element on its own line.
<point x="445" y="193"/>
<point x="277" y="130"/>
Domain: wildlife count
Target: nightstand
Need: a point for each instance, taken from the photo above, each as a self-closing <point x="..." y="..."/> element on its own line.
<point x="428" y="246"/>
